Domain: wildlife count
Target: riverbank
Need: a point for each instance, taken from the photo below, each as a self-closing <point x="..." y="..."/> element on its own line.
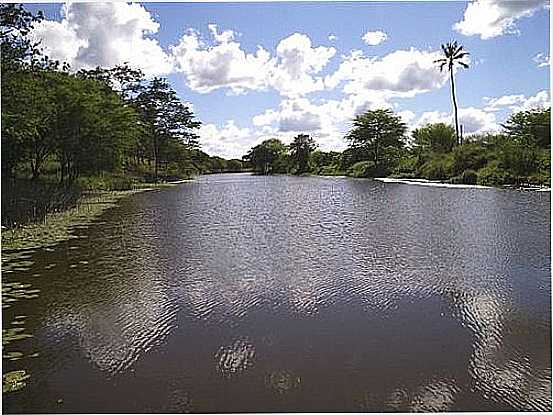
<point x="435" y="183"/>
<point x="57" y="226"/>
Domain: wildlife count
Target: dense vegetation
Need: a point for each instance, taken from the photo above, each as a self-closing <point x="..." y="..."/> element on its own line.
<point x="91" y="123"/>
<point x="111" y="128"/>
<point x="379" y="146"/>
<point x="63" y="131"/>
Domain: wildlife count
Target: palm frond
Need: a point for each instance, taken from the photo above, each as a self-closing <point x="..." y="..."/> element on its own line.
<point x="463" y="64"/>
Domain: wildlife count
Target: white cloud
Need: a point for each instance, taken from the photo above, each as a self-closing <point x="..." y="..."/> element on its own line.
<point x="491" y="18"/>
<point x="407" y="116"/>
<point x="297" y="63"/>
<point x="326" y="120"/>
<point x="540" y="100"/>
<point x="542" y="60"/>
<point x="402" y="73"/>
<point x="518" y="102"/>
<point x="228" y="141"/>
<point x="223" y="37"/>
<point x="473" y="120"/>
<point x="226" y="65"/>
<point x="104" y="34"/>
<point x="374" y="38"/>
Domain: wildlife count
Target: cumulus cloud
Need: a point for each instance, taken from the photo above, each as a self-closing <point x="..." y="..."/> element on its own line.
<point x="402" y="73"/>
<point x="223" y="65"/>
<point x="518" y="102"/>
<point x="104" y="34"/>
<point x="492" y="18"/>
<point x="228" y="141"/>
<point x="473" y="120"/>
<point x="374" y="38"/>
<point x="542" y="60"/>
<point x="226" y="65"/>
<point x="297" y="63"/>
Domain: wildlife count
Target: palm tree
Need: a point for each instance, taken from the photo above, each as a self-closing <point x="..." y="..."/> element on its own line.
<point x="454" y="54"/>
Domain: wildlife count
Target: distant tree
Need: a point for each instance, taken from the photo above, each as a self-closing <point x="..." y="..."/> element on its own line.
<point x="532" y="126"/>
<point x="234" y="166"/>
<point x="374" y="135"/>
<point x="438" y="138"/>
<point x="453" y="55"/>
<point x="264" y="157"/>
<point x="300" y="150"/>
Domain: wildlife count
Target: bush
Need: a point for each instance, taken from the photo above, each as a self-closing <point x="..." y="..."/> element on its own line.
<point x="437" y="168"/>
<point x="469" y="177"/>
<point x="493" y="175"/>
<point x="107" y="182"/>
<point x="470" y="156"/>
<point x="362" y="169"/>
<point x="410" y="175"/>
<point x="330" y="171"/>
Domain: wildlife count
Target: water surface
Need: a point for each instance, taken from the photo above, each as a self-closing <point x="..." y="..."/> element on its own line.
<point x="239" y="293"/>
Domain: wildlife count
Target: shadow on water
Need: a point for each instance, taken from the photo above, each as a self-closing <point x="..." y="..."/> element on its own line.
<point x="239" y="293"/>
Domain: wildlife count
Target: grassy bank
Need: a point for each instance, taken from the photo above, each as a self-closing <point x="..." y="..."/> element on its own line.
<point x="56" y="226"/>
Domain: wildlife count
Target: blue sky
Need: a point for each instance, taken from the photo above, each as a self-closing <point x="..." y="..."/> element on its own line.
<point x="317" y="67"/>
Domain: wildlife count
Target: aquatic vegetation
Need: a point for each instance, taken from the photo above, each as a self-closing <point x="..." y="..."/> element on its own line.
<point x="235" y="358"/>
<point x="282" y="381"/>
<point x="12" y="334"/>
<point x="14" y="381"/>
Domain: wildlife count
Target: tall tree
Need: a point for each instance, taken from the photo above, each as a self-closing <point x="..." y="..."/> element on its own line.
<point x="165" y="117"/>
<point x="375" y="135"/>
<point x="453" y="55"/>
<point x="300" y="150"/>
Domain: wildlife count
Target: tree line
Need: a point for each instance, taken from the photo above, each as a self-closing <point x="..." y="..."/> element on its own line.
<point x="103" y="121"/>
<point x="379" y="146"/>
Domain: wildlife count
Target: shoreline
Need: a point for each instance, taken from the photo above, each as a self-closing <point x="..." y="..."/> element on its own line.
<point x="431" y="183"/>
<point x="57" y="226"/>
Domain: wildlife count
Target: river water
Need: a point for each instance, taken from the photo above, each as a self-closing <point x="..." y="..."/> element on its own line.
<point x="239" y="293"/>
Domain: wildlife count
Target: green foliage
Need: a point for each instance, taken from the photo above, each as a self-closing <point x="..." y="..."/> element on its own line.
<point x="469" y="156"/>
<point x="439" y="167"/>
<point x="326" y="163"/>
<point x="453" y="55"/>
<point x="268" y="157"/>
<point x="300" y="150"/>
<point x="109" y="182"/>
<point x="532" y="127"/>
<point x="493" y="175"/>
<point x="438" y="138"/>
<point x="375" y="135"/>
<point x="362" y="169"/>
<point x="467" y="177"/>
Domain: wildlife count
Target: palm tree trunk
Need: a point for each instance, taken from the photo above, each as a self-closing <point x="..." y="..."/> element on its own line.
<point x="454" y="104"/>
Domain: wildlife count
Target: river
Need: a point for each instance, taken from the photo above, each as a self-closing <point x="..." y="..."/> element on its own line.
<point x="240" y="293"/>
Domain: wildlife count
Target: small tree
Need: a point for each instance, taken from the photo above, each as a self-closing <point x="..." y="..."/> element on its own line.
<point x="300" y="150"/>
<point x="532" y="127"/>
